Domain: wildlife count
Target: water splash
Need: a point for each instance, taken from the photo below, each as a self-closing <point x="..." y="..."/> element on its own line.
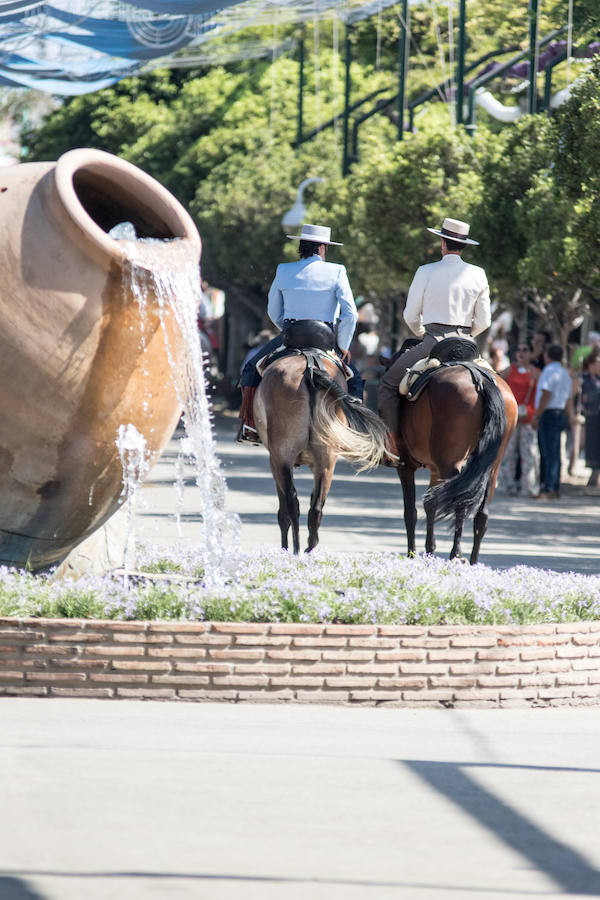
<point x="132" y="447"/>
<point x="172" y="287"/>
<point x="124" y="231"/>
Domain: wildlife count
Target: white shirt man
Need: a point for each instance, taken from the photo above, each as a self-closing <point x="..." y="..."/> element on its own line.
<point x="556" y="382"/>
<point x="451" y="292"/>
<point x="448" y="298"/>
<point x="553" y="403"/>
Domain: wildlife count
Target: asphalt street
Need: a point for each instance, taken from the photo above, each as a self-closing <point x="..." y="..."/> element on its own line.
<point x="136" y="800"/>
<point x="126" y="799"/>
<point x="364" y="512"/>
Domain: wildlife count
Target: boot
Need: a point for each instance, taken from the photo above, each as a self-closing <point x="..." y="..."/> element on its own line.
<point x="391" y="458"/>
<point x="247" y="430"/>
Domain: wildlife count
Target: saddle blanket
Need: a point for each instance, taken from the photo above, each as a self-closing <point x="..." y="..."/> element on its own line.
<point x="428" y="365"/>
<point x="312" y="354"/>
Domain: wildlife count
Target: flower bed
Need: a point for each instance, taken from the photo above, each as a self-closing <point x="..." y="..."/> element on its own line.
<point x="354" y="629"/>
<point x="274" y="586"/>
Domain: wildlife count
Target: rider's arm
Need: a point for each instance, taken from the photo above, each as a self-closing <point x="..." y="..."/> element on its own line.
<point x="348" y="311"/>
<point x="275" y="306"/>
<point x="482" y="315"/>
<point x="413" y="311"/>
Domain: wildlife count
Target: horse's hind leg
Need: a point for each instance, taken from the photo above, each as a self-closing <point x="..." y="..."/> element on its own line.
<point x="407" y="477"/>
<point x="430" y="509"/>
<point x="289" y="508"/>
<point x="480" y="526"/>
<point x="430" y="533"/>
<point x="322" y="483"/>
<point x="459" y="521"/>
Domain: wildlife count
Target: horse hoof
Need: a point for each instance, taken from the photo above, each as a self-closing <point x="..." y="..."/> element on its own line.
<point x="459" y="557"/>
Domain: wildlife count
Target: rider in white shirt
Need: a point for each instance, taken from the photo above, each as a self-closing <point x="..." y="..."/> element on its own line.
<point x="447" y="298"/>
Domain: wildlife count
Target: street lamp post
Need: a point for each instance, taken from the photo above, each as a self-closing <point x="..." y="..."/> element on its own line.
<point x="296" y="216"/>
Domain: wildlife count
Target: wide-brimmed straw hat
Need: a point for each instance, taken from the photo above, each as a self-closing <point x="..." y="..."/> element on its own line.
<point x="318" y="234"/>
<point x="455" y="230"/>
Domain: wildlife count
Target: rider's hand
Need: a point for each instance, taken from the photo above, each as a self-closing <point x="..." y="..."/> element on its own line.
<point x="346" y="356"/>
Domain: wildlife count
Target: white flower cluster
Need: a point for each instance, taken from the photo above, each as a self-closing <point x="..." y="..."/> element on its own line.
<point x="320" y="587"/>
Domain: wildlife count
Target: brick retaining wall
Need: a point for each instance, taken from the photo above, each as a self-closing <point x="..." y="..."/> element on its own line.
<point x="535" y="665"/>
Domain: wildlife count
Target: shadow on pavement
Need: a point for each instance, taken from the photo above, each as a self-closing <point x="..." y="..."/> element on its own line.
<point x="565" y="865"/>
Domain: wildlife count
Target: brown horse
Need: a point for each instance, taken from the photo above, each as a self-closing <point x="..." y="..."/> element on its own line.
<point x="304" y="415"/>
<point x="459" y="431"/>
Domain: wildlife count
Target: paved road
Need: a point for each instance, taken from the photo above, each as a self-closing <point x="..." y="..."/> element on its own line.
<point x="131" y="800"/>
<point x="364" y="512"/>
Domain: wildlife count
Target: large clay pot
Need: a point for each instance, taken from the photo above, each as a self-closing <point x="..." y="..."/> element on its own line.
<point x="73" y="366"/>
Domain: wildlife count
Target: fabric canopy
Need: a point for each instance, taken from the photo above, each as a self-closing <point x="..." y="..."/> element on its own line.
<point x="72" y="47"/>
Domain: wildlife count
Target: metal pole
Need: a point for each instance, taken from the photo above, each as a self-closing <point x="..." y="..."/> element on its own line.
<point x="533" y="53"/>
<point x="346" y="157"/>
<point x="460" y="68"/>
<point x="300" y="91"/>
<point x="402" y="57"/>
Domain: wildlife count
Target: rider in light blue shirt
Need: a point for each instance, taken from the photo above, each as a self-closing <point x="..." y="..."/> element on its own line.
<point x="309" y="288"/>
<point x="314" y="289"/>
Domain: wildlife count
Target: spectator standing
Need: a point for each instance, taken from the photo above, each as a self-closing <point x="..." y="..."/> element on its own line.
<point x="553" y="404"/>
<point x="591" y="410"/>
<point x="522" y="379"/>
<point x="539" y="342"/>
<point x="498" y="350"/>
<point x="579" y="355"/>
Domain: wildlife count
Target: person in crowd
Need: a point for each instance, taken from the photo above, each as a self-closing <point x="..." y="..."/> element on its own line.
<point x="522" y="378"/>
<point x="256" y="344"/>
<point x="590" y="397"/>
<point x="498" y="350"/>
<point x="539" y="342"/>
<point x="448" y="298"/>
<point x="553" y="409"/>
<point x="575" y="434"/>
<point x="309" y="288"/>
<point x="580" y="353"/>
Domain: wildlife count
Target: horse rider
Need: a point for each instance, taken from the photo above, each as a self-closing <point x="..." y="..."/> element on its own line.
<point x="309" y="288"/>
<point x="447" y="298"/>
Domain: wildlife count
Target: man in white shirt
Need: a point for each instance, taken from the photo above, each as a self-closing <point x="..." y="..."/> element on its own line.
<point x="309" y="288"/>
<point x="553" y="403"/>
<point x="448" y="298"/>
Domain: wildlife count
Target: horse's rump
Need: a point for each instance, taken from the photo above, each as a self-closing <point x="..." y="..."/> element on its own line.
<point x="457" y="429"/>
<point x="305" y="408"/>
<point x="444" y="422"/>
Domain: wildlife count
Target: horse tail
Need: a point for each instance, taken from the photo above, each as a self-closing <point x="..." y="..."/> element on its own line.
<point x="362" y="440"/>
<point x="464" y="492"/>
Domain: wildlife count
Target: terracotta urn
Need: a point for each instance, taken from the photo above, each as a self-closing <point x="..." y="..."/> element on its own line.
<point x="79" y="354"/>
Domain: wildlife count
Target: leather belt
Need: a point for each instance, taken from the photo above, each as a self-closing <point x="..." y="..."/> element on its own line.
<point x="290" y="321"/>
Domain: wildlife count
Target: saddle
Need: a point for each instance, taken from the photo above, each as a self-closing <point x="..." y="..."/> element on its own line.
<point x="449" y="352"/>
<point x="309" y="338"/>
<point x="305" y="333"/>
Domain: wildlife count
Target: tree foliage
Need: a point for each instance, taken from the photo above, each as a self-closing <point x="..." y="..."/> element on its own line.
<point x="222" y="140"/>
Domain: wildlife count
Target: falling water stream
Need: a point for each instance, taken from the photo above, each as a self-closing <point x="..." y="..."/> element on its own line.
<point x="173" y="288"/>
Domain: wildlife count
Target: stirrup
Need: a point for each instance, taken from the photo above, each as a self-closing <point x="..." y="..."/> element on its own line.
<point x="248" y="435"/>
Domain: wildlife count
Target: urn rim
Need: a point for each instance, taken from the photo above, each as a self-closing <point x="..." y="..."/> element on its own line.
<point x="84" y="172"/>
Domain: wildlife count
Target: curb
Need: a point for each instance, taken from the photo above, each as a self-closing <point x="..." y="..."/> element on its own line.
<point x="433" y="666"/>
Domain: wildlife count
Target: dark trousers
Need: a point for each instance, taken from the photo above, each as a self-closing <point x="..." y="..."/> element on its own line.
<point x="251" y="378"/>
<point x="552" y="423"/>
